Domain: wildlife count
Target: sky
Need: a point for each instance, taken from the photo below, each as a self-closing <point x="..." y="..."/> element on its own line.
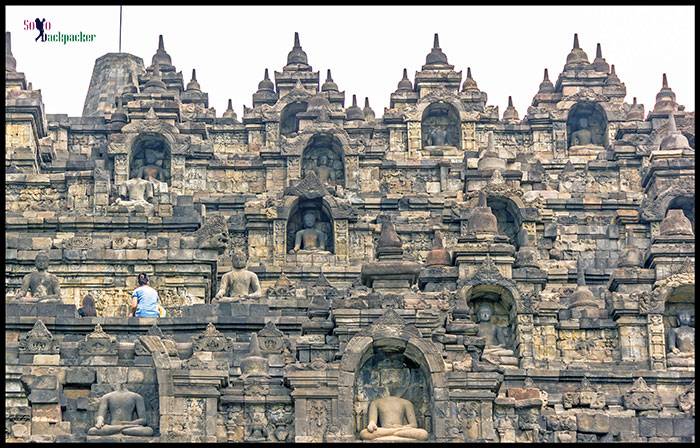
<point x="366" y="47"/>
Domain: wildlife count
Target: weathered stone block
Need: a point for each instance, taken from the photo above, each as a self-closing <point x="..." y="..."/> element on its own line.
<point x="593" y="423"/>
<point x="80" y="375"/>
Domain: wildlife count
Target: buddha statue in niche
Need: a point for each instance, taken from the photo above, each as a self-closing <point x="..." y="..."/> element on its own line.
<point x="496" y="338"/>
<point x="40" y="286"/>
<point x="437" y="136"/>
<point x="681" y="342"/>
<point x="325" y="173"/>
<point x="583" y="136"/>
<point x="121" y="405"/>
<point x="309" y="239"/>
<point x="135" y="192"/>
<point x="586" y="125"/>
<point x="392" y="418"/>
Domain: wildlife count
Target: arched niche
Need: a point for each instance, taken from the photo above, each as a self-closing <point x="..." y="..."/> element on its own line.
<point x="323" y="222"/>
<point x="499" y="296"/>
<point x="679" y="330"/>
<point x="391" y="373"/>
<point x="323" y="155"/>
<point x="685" y="203"/>
<point x="440" y="125"/>
<point x="390" y="338"/>
<point x="150" y="156"/>
<point x="586" y="125"/>
<point x="507" y="217"/>
<point x="289" y="121"/>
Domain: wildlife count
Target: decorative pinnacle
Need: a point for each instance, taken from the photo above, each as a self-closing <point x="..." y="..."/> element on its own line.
<point x="328" y="76"/>
<point x="354" y="101"/>
<point x="8" y="42"/>
<point x="482" y="200"/>
<point x="298" y="85"/>
<point x="598" y="51"/>
<point x="194" y="75"/>
<point x="580" y="274"/>
<point x="161" y="46"/>
<point x="469" y="73"/>
<point x="254" y="349"/>
<point x="491" y="143"/>
<point x="436" y="42"/>
<point x="546" y="75"/>
<point x="576" y="40"/>
<point x="664" y="82"/>
<point x="366" y="102"/>
<point x="612" y="69"/>
<point x="672" y="124"/>
<point x="405" y="74"/>
<point x="296" y="40"/>
<point x="510" y="101"/>
<point x="267" y="75"/>
<point x="230" y="105"/>
<point x="634" y="101"/>
<point x="156" y="70"/>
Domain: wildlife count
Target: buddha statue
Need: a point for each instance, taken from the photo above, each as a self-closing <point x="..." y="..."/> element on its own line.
<point x="583" y="136"/>
<point x="496" y="338"/>
<point x="681" y="342"/>
<point x="151" y="173"/>
<point x="135" y="192"/>
<point x="325" y="173"/>
<point x="153" y="155"/>
<point x="40" y="286"/>
<point x="309" y="239"/>
<point x="392" y="418"/>
<point x="121" y="405"/>
<point x="238" y="284"/>
<point x="437" y="136"/>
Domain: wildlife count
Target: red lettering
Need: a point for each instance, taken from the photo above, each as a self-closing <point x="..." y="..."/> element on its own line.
<point x="47" y="25"/>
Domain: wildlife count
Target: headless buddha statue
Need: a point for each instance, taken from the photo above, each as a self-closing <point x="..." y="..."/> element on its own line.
<point x="121" y="405"/>
<point x="309" y="239"/>
<point x="392" y="418"/>
<point x="40" y="286"/>
<point x="681" y="342"/>
<point x="238" y="284"/>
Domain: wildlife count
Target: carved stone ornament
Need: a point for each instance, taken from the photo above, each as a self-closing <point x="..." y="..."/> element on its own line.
<point x="653" y="208"/>
<point x="282" y="288"/>
<point x="650" y="302"/>
<point x="585" y="396"/>
<point x="391" y="323"/>
<point x="212" y="340"/>
<point x="642" y="397"/>
<point x="213" y="234"/>
<point x="529" y="303"/>
<point x="98" y="343"/>
<point x="310" y="187"/>
<point x="271" y="340"/>
<point x="196" y="363"/>
<point x="686" y="400"/>
<point x="141" y="350"/>
<point x="488" y="274"/>
<point x="38" y="341"/>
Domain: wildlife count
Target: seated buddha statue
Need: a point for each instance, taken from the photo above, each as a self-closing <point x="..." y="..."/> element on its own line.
<point x="681" y="342"/>
<point x="121" y="406"/>
<point x="437" y="136"/>
<point x="238" y="284"/>
<point x="40" y="286"/>
<point x="495" y="350"/>
<point x="392" y="418"/>
<point x="135" y="192"/>
<point x="326" y="174"/>
<point x="309" y="239"/>
<point x="583" y="136"/>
